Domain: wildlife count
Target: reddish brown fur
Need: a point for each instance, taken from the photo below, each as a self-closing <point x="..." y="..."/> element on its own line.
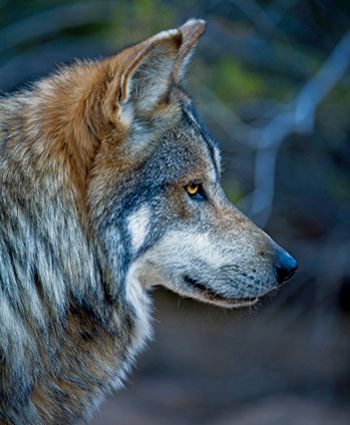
<point x="67" y="337"/>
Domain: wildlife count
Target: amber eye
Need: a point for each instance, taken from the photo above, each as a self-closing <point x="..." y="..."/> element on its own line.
<point x="195" y="191"/>
<point x="192" y="189"/>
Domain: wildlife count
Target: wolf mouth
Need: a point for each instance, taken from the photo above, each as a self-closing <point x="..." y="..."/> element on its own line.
<point x="217" y="298"/>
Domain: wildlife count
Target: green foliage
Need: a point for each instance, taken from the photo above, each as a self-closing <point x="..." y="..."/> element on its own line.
<point x="233" y="190"/>
<point x="230" y="80"/>
<point x="132" y="21"/>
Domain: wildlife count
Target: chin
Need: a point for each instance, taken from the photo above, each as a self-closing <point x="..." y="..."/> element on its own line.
<point x="203" y="293"/>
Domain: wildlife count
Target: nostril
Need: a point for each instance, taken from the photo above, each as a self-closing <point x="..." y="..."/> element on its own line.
<point x="285" y="266"/>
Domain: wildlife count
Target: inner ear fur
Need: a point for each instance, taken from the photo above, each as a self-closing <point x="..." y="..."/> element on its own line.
<point x="143" y="72"/>
<point x="140" y="76"/>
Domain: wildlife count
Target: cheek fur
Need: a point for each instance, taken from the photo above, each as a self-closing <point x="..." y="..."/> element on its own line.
<point x="139" y="226"/>
<point x="177" y="204"/>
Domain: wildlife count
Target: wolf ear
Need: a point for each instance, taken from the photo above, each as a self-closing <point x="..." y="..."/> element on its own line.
<point x="191" y="31"/>
<point x="146" y="70"/>
<point x="143" y="73"/>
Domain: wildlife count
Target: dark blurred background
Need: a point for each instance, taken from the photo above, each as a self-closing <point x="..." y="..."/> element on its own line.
<point x="272" y="81"/>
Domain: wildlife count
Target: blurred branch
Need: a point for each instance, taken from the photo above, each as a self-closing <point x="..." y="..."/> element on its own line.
<point x="256" y="14"/>
<point x="261" y="17"/>
<point x="53" y="20"/>
<point x="277" y="57"/>
<point x="298" y="117"/>
<point x="30" y="64"/>
<point x="278" y="10"/>
<point x="319" y="86"/>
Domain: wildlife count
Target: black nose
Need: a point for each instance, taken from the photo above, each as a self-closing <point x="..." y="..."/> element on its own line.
<point x="285" y="266"/>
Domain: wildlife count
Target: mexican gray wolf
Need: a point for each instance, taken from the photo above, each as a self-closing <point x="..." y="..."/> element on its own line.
<point x="109" y="186"/>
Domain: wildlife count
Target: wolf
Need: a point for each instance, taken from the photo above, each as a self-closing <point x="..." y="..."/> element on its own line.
<point x="110" y="186"/>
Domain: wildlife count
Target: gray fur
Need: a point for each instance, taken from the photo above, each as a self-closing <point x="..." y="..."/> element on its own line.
<point x="74" y="280"/>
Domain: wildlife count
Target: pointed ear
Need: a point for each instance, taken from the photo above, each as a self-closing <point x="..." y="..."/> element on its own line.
<point x="191" y="31"/>
<point x="146" y="70"/>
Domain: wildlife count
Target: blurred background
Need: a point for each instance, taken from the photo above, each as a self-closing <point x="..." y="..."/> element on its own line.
<point x="271" y="79"/>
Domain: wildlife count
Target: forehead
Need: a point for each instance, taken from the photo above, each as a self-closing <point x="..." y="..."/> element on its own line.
<point x="187" y="149"/>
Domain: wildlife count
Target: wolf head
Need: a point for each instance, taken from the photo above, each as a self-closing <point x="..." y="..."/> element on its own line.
<point x="153" y="190"/>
